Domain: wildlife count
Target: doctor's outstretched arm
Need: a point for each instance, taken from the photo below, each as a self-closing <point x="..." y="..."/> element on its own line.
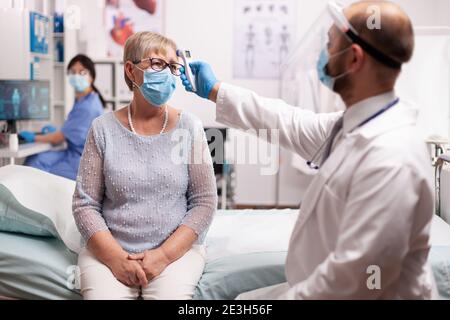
<point x="300" y="131"/>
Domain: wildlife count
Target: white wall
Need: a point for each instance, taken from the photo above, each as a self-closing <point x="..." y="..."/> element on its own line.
<point x="427" y="12"/>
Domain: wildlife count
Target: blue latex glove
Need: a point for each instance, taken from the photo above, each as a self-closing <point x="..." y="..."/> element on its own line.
<point x="48" y="129"/>
<point x="205" y="80"/>
<point x="28" y="136"/>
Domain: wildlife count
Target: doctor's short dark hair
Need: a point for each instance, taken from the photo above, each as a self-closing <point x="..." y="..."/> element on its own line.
<point x="89" y="65"/>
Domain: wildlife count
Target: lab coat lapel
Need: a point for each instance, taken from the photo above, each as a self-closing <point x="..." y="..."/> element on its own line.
<point x="329" y="167"/>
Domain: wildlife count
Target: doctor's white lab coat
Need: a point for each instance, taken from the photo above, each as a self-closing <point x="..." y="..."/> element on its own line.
<point x="364" y="224"/>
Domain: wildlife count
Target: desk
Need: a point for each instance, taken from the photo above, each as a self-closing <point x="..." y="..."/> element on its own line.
<point x="29" y="149"/>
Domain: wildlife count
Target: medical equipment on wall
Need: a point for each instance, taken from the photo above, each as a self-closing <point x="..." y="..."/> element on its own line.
<point x="39" y="33"/>
<point x="437" y="146"/>
<point x="186" y="56"/>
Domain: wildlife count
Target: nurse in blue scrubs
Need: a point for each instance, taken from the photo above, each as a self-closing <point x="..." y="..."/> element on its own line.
<point x="89" y="104"/>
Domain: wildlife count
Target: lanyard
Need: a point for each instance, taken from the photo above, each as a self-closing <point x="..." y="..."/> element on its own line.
<point x="379" y="113"/>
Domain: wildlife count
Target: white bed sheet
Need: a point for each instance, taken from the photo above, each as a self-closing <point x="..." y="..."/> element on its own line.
<point x="249" y="231"/>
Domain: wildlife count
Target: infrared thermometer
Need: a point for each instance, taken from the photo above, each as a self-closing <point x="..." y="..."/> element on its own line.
<point x="187" y="58"/>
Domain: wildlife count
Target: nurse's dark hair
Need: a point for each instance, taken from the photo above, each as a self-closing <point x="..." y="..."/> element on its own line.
<point x="87" y="63"/>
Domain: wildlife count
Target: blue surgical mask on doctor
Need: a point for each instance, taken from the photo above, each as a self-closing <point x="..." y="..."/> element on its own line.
<point x="158" y="86"/>
<point x="79" y="82"/>
<point x="322" y="68"/>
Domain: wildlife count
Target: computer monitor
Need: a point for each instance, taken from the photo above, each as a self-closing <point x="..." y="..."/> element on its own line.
<point x="24" y="100"/>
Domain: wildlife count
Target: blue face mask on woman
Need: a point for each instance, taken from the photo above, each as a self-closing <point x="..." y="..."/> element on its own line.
<point x="79" y="82"/>
<point x="158" y="87"/>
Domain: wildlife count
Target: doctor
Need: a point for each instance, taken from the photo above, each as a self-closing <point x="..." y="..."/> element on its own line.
<point x="89" y="104"/>
<point x="363" y="231"/>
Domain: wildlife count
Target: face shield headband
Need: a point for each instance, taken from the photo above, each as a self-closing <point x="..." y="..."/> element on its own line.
<point x="344" y="25"/>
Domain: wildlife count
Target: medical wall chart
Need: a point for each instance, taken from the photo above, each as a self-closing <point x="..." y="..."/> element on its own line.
<point x="263" y="36"/>
<point x="123" y="18"/>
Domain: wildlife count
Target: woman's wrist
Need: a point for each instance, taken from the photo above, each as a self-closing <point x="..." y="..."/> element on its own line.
<point x="166" y="256"/>
<point x="113" y="257"/>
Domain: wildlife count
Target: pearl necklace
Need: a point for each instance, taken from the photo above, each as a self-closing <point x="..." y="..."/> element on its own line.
<point x="166" y="119"/>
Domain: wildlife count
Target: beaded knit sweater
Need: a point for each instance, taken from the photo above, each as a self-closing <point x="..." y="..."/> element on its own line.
<point x="143" y="188"/>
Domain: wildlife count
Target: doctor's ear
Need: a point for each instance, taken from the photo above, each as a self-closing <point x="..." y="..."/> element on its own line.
<point x="359" y="58"/>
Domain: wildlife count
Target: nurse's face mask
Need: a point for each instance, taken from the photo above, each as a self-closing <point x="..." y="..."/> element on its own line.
<point x="159" y="81"/>
<point x="80" y="81"/>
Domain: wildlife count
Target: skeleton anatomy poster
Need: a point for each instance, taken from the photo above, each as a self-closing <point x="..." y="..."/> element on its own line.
<point x="263" y="36"/>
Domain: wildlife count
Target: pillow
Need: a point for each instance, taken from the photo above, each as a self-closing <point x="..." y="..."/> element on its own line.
<point x="16" y="218"/>
<point x="25" y="274"/>
<point x="225" y="278"/>
<point x="35" y="202"/>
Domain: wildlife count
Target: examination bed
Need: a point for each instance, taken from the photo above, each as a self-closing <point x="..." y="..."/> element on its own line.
<point x="240" y="258"/>
<point x="44" y="268"/>
<point x="246" y="249"/>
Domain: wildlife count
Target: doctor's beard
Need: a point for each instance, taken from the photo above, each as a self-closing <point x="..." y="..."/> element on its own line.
<point x="344" y="83"/>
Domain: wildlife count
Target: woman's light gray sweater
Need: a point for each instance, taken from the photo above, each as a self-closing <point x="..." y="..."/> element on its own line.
<point x="142" y="188"/>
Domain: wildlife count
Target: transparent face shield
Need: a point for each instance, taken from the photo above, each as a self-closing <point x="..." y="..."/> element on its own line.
<point x="300" y="79"/>
<point x="315" y="62"/>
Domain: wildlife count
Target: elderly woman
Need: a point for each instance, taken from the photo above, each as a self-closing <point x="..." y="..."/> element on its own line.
<point x="142" y="212"/>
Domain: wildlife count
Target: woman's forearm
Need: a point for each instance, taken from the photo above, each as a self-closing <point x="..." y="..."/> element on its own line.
<point x="105" y="247"/>
<point x="179" y="243"/>
<point x="53" y="138"/>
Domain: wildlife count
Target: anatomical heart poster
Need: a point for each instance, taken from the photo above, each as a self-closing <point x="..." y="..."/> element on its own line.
<point x="123" y="18"/>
